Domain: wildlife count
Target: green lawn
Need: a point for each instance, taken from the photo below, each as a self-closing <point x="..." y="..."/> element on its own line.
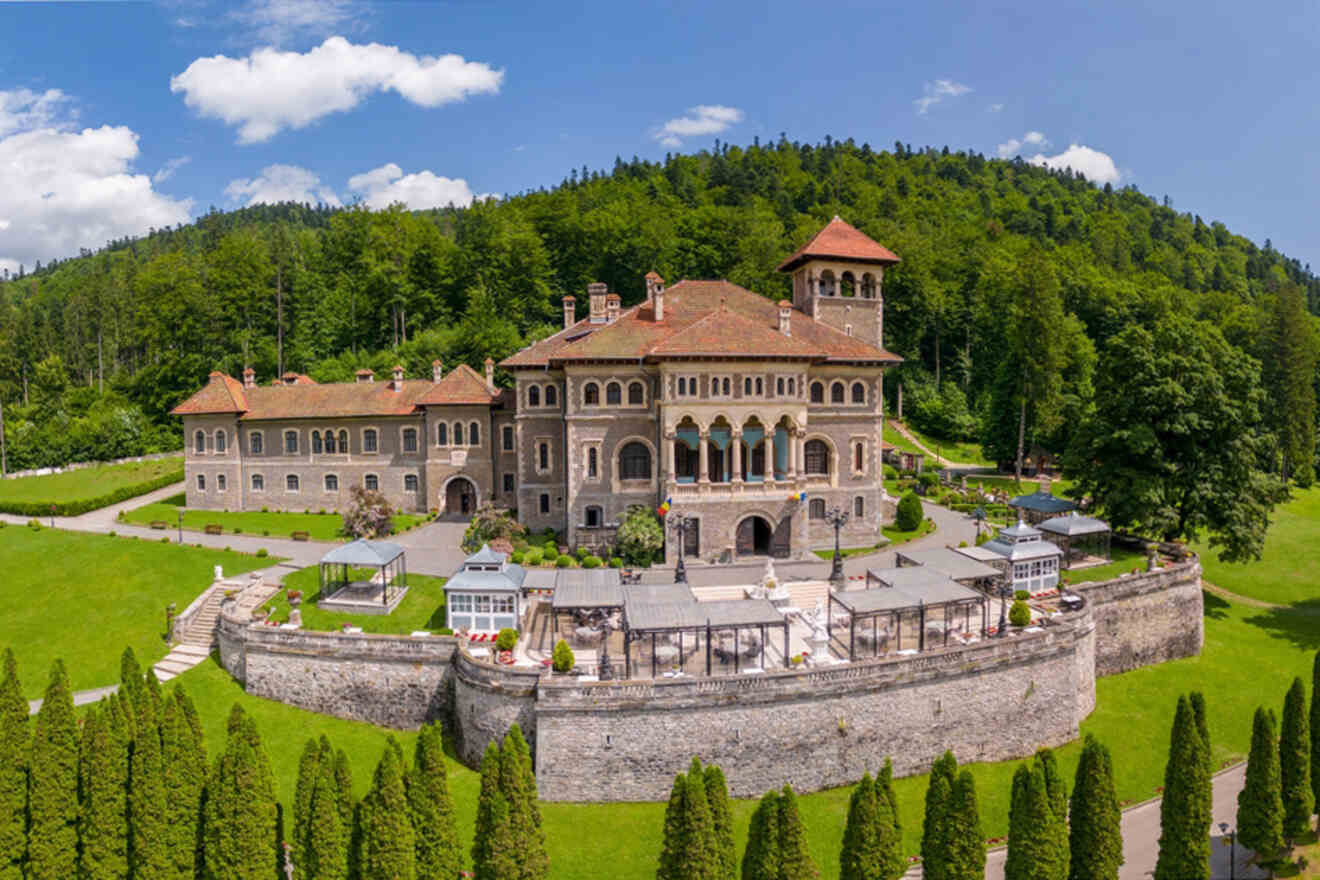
<point x="1124" y="560"/>
<point x="1058" y="486"/>
<point x="898" y="536"/>
<point x="898" y="441"/>
<point x="318" y="526"/>
<point x="845" y="552"/>
<point x="84" y="597"/>
<point x="1292" y="556"/>
<point x="422" y="608"/>
<point x="88" y="488"/>
<point x="958" y="451"/>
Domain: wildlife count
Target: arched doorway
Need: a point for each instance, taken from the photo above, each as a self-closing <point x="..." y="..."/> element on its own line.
<point x="754" y="537"/>
<point x="460" y="497"/>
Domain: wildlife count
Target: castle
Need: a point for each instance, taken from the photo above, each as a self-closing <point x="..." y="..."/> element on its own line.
<point x="751" y="417"/>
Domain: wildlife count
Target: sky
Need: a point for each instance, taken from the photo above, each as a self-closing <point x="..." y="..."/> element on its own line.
<point x="119" y="116"/>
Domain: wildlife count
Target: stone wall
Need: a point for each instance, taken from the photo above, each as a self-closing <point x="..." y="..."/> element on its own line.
<point x="487" y="700"/>
<point x="1146" y="618"/>
<point x="818" y="728"/>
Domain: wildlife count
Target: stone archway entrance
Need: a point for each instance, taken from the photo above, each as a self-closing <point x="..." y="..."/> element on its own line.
<point x="755" y="536"/>
<point x="460" y="497"/>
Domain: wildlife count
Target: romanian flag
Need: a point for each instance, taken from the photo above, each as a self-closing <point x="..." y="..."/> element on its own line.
<point x="663" y="509"/>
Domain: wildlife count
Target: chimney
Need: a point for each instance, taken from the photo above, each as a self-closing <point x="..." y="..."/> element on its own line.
<point x="437" y="370"/>
<point x="612" y="304"/>
<point x="249" y="378"/>
<point x="490" y="375"/>
<point x="398" y="377"/>
<point x="570" y="311"/>
<point x="365" y="375"/>
<point x="655" y="292"/>
<point x="596" y="291"/>
<point x="290" y="378"/>
<point x="785" y="317"/>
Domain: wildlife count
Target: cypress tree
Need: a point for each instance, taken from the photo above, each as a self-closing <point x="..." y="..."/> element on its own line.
<point x="183" y="754"/>
<point x="103" y="820"/>
<point x="518" y="785"/>
<point x="132" y="686"/>
<point x="1184" y="852"/>
<point x="1017" y="824"/>
<point x="13" y="771"/>
<point x="309" y="771"/>
<point x="240" y="808"/>
<point x="795" y="862"/>
<point x="502" y="862"/>
<point x="1295" y="763"/>
<point x="1206" y="779"/>
<point x="938" y="791"/>
<point x="1260" y="805"/>
<point x="697" y="857"/>
<point x="484" y="856"/>
<point x="863" y="855"/>
<point x="326" y="848"/>
<point x="344" y="784"/>
<point x="964" y="857"/>
<point x="721" y="817"/>
<point x="1058" y="795"/>
<point x="1095" y="842"/>
<point x="438" y="853"/>
<point x="1315" y="729"/>
<point x="53" y="784"/>
<point x="885" y="783"/>
<point x="389" y="850"/>
<point x="147" y="856"/>
<point x="761" y="857"/>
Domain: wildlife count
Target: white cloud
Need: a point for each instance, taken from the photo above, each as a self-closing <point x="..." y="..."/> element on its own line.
<point x="281" y="183"/>
<point x="276" y="22"/>
<point x="994" y="108"/>
<point x="1013" y="146"/>
<point x="62" y="189"/>
<point x="1097" y="166"/>
<point x="167" y="170"/>
<point x="383" y="186"/>
<point x="934" y="93"/>
<point x="270" y="90"/>
<point x="702" y="119"/>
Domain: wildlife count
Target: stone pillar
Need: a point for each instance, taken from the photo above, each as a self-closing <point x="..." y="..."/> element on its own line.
<point x="735" y="461"/>
<point x="791" y="473"/>
<point x="703" y="441"/>
<point x="769" y="443"/>
<point x="670" y="437"/>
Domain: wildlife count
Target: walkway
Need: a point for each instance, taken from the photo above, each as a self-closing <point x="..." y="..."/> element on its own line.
<point x="939" y="459"/>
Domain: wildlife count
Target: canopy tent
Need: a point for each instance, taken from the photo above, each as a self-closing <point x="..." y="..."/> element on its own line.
<point x="918" y="592"/>
<point x="335" y="569"/>
<point x="1078" y="536"/>
<point x="669" y="616"/>
<point x="963" y="568"/>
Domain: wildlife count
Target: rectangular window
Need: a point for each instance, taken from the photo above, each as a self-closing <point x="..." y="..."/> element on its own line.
<point x="501" y="604"/>
<point x="369" y="440"/>
<point x="291" y="483"/>
<point x="593" y="458"/>
<point x="371" y="482"/>
<point x="220" y="483"/>
<point x="409" y="439"/>
<point x="255" y="442"/>
<point x="545" y="502"/>
<point x="258" y="483"/>
<point x="543" y="456"/>
<point x="508" y="438"/>
<point x="331" y="483"/>
<point x="482" y="604"/>
<point x="290" y="442"/>
<point x="410" y="483"/>
<point x="508" y="482"/>
<point x="461" y="602"/>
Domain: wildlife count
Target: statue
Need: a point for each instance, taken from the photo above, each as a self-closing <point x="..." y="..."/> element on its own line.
<point x="219" y="573"/>
<point x="818" y="617"/>
<point x="771" y="588"/>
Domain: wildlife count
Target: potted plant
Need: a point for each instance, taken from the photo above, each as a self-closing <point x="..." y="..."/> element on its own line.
<point x="295" y="598"/>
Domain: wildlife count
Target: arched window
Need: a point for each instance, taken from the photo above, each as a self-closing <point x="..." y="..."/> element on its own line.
<point x="330" y="442"/>
<point x="291" y="483"/>
<point x="331" y="483"/>
<point x="199" y="443"/>
<point x="593" y="517"/>
<point x="726" y="386"/>
<point x="474" y="435"/>
<point x="847" y="286"/>
<point x="635" y="461"/>
<point x="817" y="392"/>
<point x="551" y="396"/>
<point x="591" y="394"/>
<point x="637" y="394"/>
<point x="859" y="457"/>
<point x="410" y="483"/>
<point x="779" y="386"/>
<point x="458" y="433"/>
<point x="369" y="440"/>
<point x="255" y="442"/>
<point x="290" y="442"/>
<point x="816" y="456"/>
<point x="859" y="507"/>
<point x="221" y="441"/>
<point x="760" y="386"/>
<point x="316" y="443"/>
<point x="442" y="434"/>
<point x="682" y="386"/>
<point x="868" y="286"/>
<point x="201" y="482"/>
<point x="747" y="386"/>
<point x="534" y="395"/>
<point x="827" y="285"/>
<point x="858" y="393"/>
<point x="790" y="386"/>
<point x="371" y="483"/>
<point x="613" y="394"/>
<point x="593" y="466"/>
<point x="816" y="508"/>
<point x="836" y="392"/>
<point x="343" y="441"/>
<point x="258" y="483"/>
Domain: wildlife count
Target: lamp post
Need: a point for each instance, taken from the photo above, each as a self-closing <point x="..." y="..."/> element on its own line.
<point x="837" y="518"/>
<point x="1005" y="591"/>
<point x="680" y="523"/>
<point x="605" y="672"/>
<point x="1232" y="850"/>
<point x="180" y="525"/>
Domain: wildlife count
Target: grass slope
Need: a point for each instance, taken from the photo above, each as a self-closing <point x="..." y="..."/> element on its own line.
<point x="84" y="597"/>
<point x="318" y="526"/>
<point x="1291" y="558"/>
<point x="422" y="608"/>
<point x="959" y="451"/>
<point x="85" y="484"/>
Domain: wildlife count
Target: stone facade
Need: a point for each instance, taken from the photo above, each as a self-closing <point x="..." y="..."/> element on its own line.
<point x="1147" y="618"/>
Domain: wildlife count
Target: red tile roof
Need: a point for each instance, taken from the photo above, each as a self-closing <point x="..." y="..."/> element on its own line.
<point x="220" y="394"/>
<point x="636" y="335"/>
<point x="335" y="399"/>
<point x="842" y="241"/>
<point x="463" y="385"/>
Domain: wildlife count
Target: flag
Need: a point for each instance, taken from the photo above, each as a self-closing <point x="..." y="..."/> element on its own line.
<point x="800" y="497"/>
<point x="663" y="509"/>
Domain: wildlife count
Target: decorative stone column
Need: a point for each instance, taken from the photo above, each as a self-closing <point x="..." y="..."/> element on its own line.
<point x="735" y="460"/>
<point x="670" y="437"/>
<point x="703" y="441"/>
<point x="791" y="472"/>
<point x="769" y="443"/>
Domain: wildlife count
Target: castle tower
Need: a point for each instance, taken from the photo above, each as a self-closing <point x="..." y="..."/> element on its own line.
<point x="838" y="279"/>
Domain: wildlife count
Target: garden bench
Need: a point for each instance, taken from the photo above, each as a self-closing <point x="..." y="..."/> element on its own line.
<point x="300" y="536"/>
<point x="159" y="524"/>
<point x="214" y="529"/>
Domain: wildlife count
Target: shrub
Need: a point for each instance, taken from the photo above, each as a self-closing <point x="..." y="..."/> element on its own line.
<point x="34" y="525"/>
<point x="533" y="556"/>
<point x="488" y="524"/>
<point x="562" y="660"/>
<point x="445" y="631"/>
<point x="1021" y="594"/>
<point x="265" y="510"/>
<point x="550" y="548"/>
<point x="616" y="562"/>
<point x="262" y="553"/>
<point x="111" y="534"/>
<point x="506" y="639"/>
<point x="83" y="505"/>
<point x="1019" y="613"/>
<point x="564" y="562"/>
<point x="237" y="530"/>
<point x="582" y="552"/>
<point x="164" y="540"/>
<point x="265" y="533"/>
<point x="891" y="472"/>
<point x="928" y="479"/>
<point x="981" y="538"/>
<point x="909" y="514"/>
<point x="640" y="535"/>
<point x="591" y="562"/>
<point x="516" y="557"/>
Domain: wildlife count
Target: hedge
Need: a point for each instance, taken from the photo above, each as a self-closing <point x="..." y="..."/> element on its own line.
<point x="79" y="506"/>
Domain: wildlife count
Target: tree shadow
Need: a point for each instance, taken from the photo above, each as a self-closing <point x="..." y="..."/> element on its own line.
<point x="1215" y="607"/>
<point x="1298" y="623"/>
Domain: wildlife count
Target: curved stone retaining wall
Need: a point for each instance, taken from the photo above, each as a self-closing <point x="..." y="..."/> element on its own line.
<point x="488" y="699"/>
<point x="1147" y="618"/>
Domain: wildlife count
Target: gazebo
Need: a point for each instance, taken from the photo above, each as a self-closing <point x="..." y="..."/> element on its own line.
<point x="675" y="630"/>
<point x="915" y="594"/>
<point x="964" y="568"/>
<point x="379" y="593"/>
<point x="484" y="596"/>
<point x="1041" y="504"/>
<point x="1079" y="537"/>
<point x="1033" y="563"/>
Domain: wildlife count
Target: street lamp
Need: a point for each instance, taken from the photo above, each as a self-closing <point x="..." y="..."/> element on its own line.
<point x="680" y="523"/>
<point x="180" y="525"/>
<point x="1232" y="850"/>
<point x="606" y="672"/>
<point x="1005" y="591"/>
<point x="837" y="518"/>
